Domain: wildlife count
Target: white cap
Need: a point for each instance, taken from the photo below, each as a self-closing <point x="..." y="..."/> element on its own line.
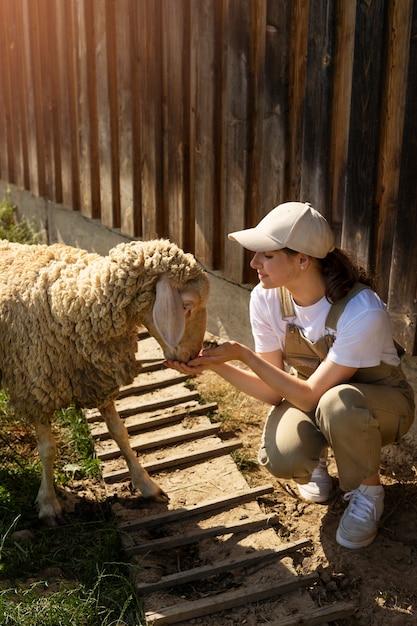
<point x="294" y="225"/>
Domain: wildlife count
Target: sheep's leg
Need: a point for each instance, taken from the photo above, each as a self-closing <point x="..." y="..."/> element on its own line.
<point x="139" y="476"/>
<point x="50" y="511"/>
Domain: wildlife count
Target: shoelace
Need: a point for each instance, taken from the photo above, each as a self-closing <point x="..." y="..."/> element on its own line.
<point x="362" y="507"/>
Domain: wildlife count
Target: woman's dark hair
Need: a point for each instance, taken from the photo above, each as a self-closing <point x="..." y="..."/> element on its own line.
<point x="340" y="273"/>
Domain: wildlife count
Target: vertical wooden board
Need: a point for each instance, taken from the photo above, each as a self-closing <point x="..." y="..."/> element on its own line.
<point x="315" y="178"/>
<point x="102" y="18"/>
<point x="44" y="100"/>
<point x="298" y="56"/>
<point x="80" y="38"/>
<point x="21" y="104"/>
<point x="402" y="301"/>
<point x="205" y="112"/>
<point x="7" y="147"/>
<point x="11" y="46"/>
<point x="33" y="10"/>
<point x="395" y="82"/>
<point x="135" y="94"/>
<point x="67" y="138"/>
<point x="237" y="84"/>
<point x="154" y="223"/>
<point x="50" y="54"/>
<point x="29" y="98"/>
<point x="125" y="51"/>
<point x="87" y="110"/>
<point x="342" y="87"/>
<point x="275" y="127"/>
<point x="3" y="128"/>
<point x="256" y="109"/>
<point x="175" y="70"/>
<point x="359" y="215"/>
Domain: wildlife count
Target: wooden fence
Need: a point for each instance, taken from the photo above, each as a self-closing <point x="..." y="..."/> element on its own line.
<point x="189" y="119"/>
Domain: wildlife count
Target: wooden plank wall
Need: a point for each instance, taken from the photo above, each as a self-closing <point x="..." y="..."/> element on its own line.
<point x="188" y="119"/>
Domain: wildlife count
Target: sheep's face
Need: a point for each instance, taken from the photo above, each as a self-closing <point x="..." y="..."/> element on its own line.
<point x="179" y="317"/>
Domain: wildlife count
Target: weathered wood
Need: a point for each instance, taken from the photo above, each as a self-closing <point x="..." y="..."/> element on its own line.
<point x="175" y="97"/>
<point x="298" y="62"/>
<point x="228" y="600"/>
<point x="149" y="421"/>
<point x="164" y="543"/>
<point x="143" y="383"/>
<point x="275" y="116"/>
<point x="237" y="25"/>
<point x="227" y="565"/>
<point x="176" y="461"/>
<point x="134" y="405"/>
<point x="317" y="617"/>
<point x="403" y="276"/>
<point x="205" y="128"/>
<point x="396" y="68"/>
<point x="315" y="177"/>
<point x="177" y="515"/>
<point x="124" y="133"/>
<point x="176" y="436"/>
<point x="359" y="216"/>
<point x="193" y="119"/>
<point x="342" y="88"/>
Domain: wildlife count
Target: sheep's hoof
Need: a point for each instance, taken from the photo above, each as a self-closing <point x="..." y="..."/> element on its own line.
<point x="52" y="520"/>
<point x="160" y="496"/>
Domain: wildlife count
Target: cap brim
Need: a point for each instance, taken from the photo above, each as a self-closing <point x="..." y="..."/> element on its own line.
<point x="254" y="240"/>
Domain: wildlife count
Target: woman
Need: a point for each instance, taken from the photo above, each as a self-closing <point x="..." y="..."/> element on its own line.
<point x="314" y="314"/>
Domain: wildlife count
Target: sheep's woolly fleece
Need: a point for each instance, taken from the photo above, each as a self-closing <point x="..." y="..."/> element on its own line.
<point x="69" y="319"/>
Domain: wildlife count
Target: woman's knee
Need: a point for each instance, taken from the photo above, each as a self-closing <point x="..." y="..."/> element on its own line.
<point x="291" y="444"/>
<point x="340" y="409"/>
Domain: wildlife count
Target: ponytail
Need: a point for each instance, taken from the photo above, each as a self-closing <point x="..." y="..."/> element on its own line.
<point x="341" y="273"/>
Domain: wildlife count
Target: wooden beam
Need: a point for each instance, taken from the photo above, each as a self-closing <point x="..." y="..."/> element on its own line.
<point x="228" y="600"/>
<point x="196" y="432"/>
<point x="207" y="506"/>
<point x="164" y="543"/>
<point x="219" y="567"/>
<point x="317" y="617"/>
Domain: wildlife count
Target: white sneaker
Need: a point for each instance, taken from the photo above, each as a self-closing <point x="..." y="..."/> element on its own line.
<point x="320" y="485"/>
<point x="359" y="524"/>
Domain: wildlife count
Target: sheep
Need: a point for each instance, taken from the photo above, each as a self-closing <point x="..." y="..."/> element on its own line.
<point x="69" y="334"/>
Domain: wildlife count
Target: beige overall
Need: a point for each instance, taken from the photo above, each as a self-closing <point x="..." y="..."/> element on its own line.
<point x="374" y="408"/>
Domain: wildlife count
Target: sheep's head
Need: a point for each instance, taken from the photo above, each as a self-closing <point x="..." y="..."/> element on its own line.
<point x="178" y="316"/>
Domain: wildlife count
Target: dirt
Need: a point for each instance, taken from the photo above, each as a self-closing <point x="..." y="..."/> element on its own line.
<point x="380" y="580"/>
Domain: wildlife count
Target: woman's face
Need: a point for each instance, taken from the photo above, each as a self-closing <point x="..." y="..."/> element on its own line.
<point x="275" y="268"/>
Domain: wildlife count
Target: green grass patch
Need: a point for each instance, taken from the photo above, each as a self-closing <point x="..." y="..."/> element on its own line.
<point x="18" y="231"/>
<point x="70" y="575"/>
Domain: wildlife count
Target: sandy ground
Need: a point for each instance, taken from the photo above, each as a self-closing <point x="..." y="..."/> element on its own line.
<point x="381" y="580"/>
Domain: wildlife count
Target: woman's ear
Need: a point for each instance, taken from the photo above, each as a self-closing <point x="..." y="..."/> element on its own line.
<point x="304" y="261"/>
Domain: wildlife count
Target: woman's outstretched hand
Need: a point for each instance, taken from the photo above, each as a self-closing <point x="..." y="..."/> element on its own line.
<point x="209" y="358"/>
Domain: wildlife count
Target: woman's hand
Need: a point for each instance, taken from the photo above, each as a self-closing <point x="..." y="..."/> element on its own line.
<point x="209" y="358"/>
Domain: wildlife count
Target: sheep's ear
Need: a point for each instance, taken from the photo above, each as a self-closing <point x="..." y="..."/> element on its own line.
<point x="168" y="312"/>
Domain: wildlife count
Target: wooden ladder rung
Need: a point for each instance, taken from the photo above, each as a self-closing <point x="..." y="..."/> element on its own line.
<point x="207" y="506"/>
<point x="227" y="565"/>
<point x="165" y="543"/>
<point x="228" y="600"/>
<point x="221" y="449"/>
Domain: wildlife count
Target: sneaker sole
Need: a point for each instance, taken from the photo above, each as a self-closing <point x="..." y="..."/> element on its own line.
<point x="345" y="543"/>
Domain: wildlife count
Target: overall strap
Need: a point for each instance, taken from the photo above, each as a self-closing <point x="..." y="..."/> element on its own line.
<point x="287" y="307"/>
<point x="338" y="307"/>
<point x="336" y="310"/>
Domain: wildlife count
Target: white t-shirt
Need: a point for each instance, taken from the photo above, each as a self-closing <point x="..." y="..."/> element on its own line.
<point x="363" y="337"/>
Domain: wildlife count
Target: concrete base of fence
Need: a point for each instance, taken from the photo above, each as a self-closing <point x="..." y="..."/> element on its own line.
<point x="228" y="311"/>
